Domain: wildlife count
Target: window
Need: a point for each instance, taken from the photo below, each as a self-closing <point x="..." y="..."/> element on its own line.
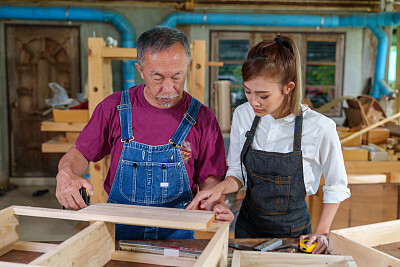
<point x="322" y="57"/>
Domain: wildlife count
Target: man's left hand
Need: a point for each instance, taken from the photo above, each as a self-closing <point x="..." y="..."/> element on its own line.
<point x="223" y="214"/>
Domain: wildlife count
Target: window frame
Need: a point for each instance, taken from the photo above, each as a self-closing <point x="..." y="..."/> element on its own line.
<point x="301" y="39"/>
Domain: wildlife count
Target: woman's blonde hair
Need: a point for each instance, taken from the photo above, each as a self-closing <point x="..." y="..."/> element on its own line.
<point x="279" y="59"/>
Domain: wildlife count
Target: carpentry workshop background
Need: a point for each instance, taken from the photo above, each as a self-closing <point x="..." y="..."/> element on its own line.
<point x="59" y="53"/>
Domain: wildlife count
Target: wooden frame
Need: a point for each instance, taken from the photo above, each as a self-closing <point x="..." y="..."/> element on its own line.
<point x="254" y="259"/>
<point x="95" y="245"/>
<point x="359" y="242"/>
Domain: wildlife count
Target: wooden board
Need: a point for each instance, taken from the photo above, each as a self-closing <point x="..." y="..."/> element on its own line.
<point x="128" y="214"/>
<point x="90" y="247"/>
<point x="261" y="259"/>
<point x="8" y="230"/>
<point x="51" y="126"/>
<point x="359" y="241"/>
<point x="54" y="146"/>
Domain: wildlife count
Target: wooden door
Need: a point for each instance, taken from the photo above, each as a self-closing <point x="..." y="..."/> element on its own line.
<point x="36" y="56"/>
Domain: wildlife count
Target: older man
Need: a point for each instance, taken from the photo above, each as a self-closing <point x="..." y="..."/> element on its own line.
<point x="164" y="144"/>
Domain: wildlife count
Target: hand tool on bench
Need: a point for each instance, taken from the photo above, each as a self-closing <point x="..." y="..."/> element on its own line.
<point x="266" y="246"/>
<point x="159" y="249"/>
<point x="302" y="246"/>
<point x="85" y="196"/>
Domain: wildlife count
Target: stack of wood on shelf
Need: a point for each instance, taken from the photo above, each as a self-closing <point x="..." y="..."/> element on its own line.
<point x="370" y="143"/>
<point x="367" y="123"/>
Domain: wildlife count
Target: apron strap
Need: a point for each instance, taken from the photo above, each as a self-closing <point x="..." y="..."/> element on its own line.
<point x="189" y="119"/>
<point x="297" y="132"/>
<point x="249" y="140"/>
<point x="125" y="117"/>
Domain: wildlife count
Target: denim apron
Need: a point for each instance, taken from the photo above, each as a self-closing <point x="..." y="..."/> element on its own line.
<point x="152" y="175"/>
<point x="275" y="204"/>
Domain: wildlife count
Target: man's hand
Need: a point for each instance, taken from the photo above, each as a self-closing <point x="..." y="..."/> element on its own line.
<point x="224" y="215"/>
<point x="68" y="185"/>
<point x="206" y="198"/>
<point x="322" y="246"/>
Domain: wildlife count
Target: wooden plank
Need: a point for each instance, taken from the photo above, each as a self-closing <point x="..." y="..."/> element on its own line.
<point x="391" y="168"/>
<point x="13" y="264"/>
<point x="54" y="146"/>
<point x="90" y="247"/>
<point x="33" y="246"/>
<point x="373" y="126"/>
<point x="51" y="126"/>
<point x="152" y="259"/>
<point x="362" y="254"/>
<point x="8" y="230"/>
<point x="371" y="167"/>
<point x="214" y="64"/>
<point x="373" y="234"/>
<point x="155" y="216"/>
<point x="216" y="251"/>
<point x="236" y="259"/>
<point x="99" y="82"/>
<point x="254" y="259"/>
<point x="127" y="214"/>
<point x="98" y="173"/>
<point x="120" y="53"/>
<point x="198" y="70"/>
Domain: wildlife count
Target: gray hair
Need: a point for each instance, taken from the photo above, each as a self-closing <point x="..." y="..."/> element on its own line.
<point x="158" y="39"/>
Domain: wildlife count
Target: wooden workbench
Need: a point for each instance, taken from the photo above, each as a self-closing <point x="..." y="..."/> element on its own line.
<point x="28" y="256"/>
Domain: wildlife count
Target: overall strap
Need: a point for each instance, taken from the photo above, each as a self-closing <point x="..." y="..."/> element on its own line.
<point x="298" y="126"/>
<point x="125" y="117"/>
<point x="249" y="140"/>
<point x="189" y="119"/>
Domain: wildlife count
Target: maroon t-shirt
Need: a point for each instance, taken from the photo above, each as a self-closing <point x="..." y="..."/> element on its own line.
<point x="202" y="151"/>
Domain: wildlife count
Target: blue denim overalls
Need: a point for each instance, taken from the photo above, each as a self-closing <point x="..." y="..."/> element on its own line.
<point x="152" y="175"/>
<point x="275" y="204"/>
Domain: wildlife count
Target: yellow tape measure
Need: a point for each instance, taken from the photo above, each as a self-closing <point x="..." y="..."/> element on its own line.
<point x="309" y="249"/>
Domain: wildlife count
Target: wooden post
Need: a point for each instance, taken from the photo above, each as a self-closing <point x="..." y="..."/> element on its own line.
<point x="99" y="82"/>
<point x="397" y="83"/>
<point x="197" y="70"/>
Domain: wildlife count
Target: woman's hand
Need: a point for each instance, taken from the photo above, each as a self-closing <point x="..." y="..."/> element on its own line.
<point x="322" y="246"/>
<point x="223" y="214"/>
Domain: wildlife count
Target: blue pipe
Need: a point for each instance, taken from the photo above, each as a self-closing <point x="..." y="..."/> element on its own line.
<point x="373" y="21"/>
<point x="380" y="86"/>
<point x="81" y="14"/>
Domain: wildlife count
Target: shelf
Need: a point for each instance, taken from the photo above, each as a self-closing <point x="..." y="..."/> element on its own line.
<point x="51" y="126"/>
<point x="54" y="146"/>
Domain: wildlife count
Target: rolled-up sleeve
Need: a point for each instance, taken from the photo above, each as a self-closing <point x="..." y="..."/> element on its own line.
<point x="332" y="164"/>
<point x="235" y="148"/>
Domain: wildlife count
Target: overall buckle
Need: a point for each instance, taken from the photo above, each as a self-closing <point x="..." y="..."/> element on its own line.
<point x="127" y="141"/>
<point x="174" y="145"/>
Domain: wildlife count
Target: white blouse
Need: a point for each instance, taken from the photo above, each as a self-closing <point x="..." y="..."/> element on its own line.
<point x="320" y="146"/>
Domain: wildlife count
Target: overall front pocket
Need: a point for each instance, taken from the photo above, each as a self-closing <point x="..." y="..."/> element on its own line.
<point x="270" y="194"/>
<point x="151" y="182"/>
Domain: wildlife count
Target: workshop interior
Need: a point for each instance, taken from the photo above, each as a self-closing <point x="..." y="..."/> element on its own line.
<point x="59" y="60"/>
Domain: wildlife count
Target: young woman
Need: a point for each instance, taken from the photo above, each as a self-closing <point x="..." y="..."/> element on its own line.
<point x="279" y="149"/>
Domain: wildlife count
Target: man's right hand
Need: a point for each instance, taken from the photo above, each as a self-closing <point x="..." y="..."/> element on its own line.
<point x="68" y="185"/>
